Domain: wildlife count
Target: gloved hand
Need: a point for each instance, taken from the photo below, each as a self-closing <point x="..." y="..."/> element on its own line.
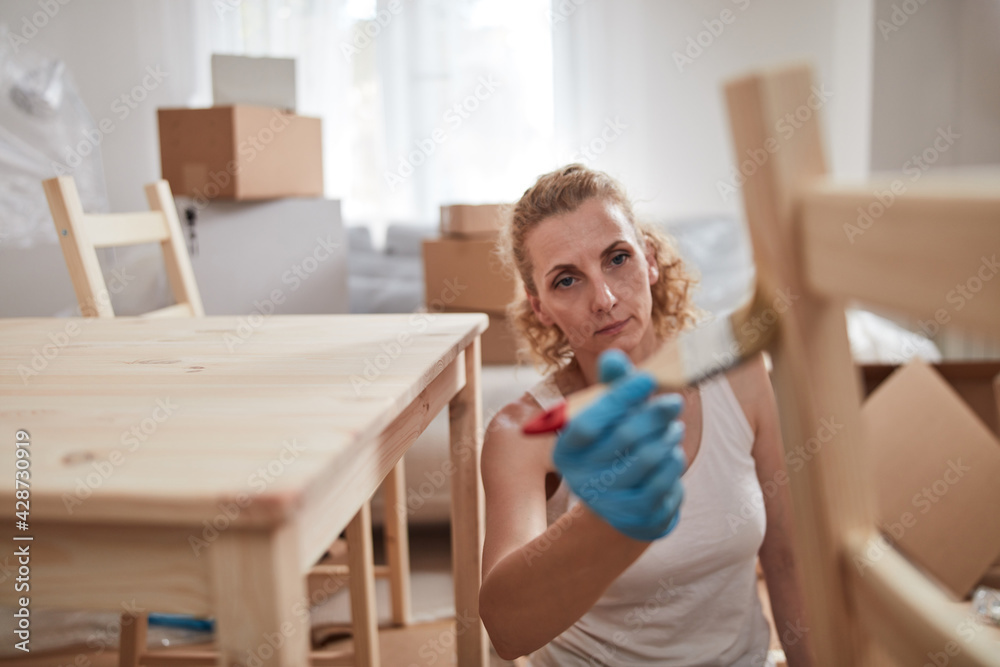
<point x="622" y="455"/>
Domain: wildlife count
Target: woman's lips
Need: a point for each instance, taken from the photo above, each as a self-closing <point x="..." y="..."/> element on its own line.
<point x="614" y="328"/>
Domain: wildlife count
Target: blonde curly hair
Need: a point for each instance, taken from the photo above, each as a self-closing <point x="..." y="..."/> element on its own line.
<point x="563" y="191"/>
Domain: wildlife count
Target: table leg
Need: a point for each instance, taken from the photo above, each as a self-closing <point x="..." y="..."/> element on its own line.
<point x="260" y="601"/>
<point x="364" y="619"/>
<point x="465" y="414"/>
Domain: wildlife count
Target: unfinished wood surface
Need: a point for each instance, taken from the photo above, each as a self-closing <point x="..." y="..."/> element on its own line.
<point x="828" y="496"/>
<point x="94" y="566"/>
<point x="849" y="607"/>
<point x="259" y="599"/>
<point x="304" y="395"/>
<point x="115" y="229"/>
<point x="364" y="618"/>
<point x="284" y="400"/>
<point x="465" y="415"/>
<point x="940" y="237"/>
<point x="77" y="247"/>
<point x="132" y="641"/>
<point x="914" y="617"/>
<point x="366" y="470"/>
<point x="397" y="544"/>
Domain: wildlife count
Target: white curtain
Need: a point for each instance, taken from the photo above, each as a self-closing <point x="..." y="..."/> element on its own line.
<point x="424" y="102"/>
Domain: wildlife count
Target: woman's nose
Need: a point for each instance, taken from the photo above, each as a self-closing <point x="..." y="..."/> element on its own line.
<point x="604" y="297"/>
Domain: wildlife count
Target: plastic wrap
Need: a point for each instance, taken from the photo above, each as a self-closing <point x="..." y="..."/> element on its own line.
<point x="45" y="131"/>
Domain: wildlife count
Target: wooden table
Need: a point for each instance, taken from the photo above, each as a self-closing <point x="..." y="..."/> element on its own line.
<point x="202" y="466"/>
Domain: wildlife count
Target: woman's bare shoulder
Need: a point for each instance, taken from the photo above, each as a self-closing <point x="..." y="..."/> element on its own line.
<point x="511" y="417"/>
<point x="752" y="386"/>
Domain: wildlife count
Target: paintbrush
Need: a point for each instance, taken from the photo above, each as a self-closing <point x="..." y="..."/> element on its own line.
<point x="687" y="359"/>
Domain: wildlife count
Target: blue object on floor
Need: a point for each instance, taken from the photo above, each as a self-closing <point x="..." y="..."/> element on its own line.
<point x="182" y="621"/>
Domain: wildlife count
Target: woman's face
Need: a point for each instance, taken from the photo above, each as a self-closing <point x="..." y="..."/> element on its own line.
<point x="593" y="276"/>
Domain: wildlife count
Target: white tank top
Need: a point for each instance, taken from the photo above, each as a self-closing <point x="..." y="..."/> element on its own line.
<point x="691" y="599"/>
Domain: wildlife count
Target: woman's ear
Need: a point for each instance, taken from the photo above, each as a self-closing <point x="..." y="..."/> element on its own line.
<point x="536" y="306"/>
<point x="654" y="269"/>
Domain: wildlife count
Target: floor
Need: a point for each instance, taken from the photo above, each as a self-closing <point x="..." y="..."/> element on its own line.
<point x="429" y="642"/>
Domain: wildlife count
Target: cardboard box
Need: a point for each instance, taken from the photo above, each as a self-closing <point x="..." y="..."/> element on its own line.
<point x="498" y="343"/>
<point x="466" y="274"/>
<point x="474" y="221"/>
<point x="936" y="471"/>
<point x="977" y="382"/>
<point x="262" y="82"/>
<point x="241" y="153"/>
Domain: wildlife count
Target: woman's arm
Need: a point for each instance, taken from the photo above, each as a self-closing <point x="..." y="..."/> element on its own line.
<point x="777" y="555"/>
<point x="537" y="582"/>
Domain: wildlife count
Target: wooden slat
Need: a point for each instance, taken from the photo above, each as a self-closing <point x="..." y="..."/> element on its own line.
<point x="132" y="641"/>
<point x="77" y="247"/>
<point x="397" y="544"/>
<point x="941" y="239"/>
<point x="364" y="619"/>
<point x="828" y="496"/>
<point x="180" y="275"/>
<point x="465" y="416"/>
<point x="109" y="230"/>
<point x="915" y="618"/>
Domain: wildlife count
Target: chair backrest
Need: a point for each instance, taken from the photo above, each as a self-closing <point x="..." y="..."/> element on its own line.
<point x="80" y="234"/>
<point x="917" y="239"/>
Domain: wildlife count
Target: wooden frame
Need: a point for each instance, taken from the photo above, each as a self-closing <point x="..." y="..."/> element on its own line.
<point x="923" y="239"/>
<point x="80" y="234"/>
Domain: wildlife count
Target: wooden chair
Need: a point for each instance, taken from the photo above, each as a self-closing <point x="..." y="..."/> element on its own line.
<point x="908" y="259"/>
<point x="80" y="234"/>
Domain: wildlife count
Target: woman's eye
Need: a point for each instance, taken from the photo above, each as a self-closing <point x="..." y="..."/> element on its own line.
<point x="564" y="282"/>
<point x="619" y="259"/>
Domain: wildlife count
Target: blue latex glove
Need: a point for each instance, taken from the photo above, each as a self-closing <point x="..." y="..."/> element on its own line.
<point x="622" y="455"/>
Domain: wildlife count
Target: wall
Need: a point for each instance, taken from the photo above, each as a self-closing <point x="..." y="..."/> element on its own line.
<point x="658" y="67"/>
<point x="935" y="67"/>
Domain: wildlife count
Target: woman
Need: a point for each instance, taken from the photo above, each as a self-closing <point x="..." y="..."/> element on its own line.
<point x="588" y="558"/>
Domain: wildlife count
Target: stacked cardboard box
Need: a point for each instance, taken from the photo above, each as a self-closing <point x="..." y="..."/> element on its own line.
<point x="463" y="274"/>
<point x="251" y="148"/>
